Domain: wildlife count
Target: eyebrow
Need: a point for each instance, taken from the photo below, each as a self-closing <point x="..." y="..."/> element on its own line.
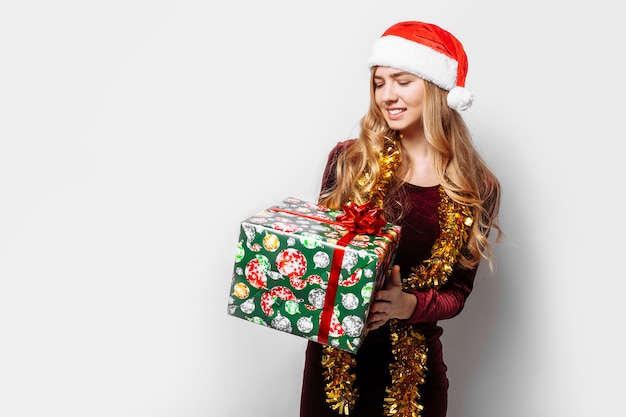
<point x="395" y="74"/>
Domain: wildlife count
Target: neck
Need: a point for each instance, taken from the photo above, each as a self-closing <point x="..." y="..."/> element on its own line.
<point x="415" y="146"/>
<point x="421" y="165"/>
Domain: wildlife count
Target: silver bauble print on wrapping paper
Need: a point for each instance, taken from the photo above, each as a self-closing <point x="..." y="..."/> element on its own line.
<point x="281" y="323"/>
<point x="349" y="301"/>
<point x="321" y="259"/>
<point x="352" y="325"/>
<point x="350" y="259"/>
<point x="304" y="324"/>
<point x="316" y="297"/>
<point x="247" y="306"/>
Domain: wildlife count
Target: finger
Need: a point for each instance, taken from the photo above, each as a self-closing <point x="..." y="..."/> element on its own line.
<point x="374" y="324"/>
<point x="394" y="280"/>
<point x="376" y="310"/>
<point x="380" y="296"/>
<point x="395" y="276"/>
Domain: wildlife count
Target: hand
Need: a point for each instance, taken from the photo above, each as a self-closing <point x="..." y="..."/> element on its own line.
<point x="391" y="302"/>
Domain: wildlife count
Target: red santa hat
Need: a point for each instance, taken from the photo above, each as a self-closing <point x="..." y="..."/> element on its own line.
<point x="429" y="52"/>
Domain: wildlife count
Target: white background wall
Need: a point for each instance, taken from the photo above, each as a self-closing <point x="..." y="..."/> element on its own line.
<point x="135" y="135"/>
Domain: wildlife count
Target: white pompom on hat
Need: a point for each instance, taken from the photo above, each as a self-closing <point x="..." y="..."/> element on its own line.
<point x="429" y="52"/>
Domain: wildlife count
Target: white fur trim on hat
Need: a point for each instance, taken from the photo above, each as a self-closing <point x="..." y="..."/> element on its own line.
<point x="423" y="61"/>
<point x="460" y="98"/>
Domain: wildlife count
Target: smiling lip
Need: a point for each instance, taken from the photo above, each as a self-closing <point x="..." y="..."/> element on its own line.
<point x="395" y="113"/>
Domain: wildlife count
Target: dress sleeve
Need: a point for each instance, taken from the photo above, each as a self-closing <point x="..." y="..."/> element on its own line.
<point x="447" y="302"/>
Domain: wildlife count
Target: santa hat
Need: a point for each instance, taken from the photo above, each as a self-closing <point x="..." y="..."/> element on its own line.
<point x="429" y="52"/>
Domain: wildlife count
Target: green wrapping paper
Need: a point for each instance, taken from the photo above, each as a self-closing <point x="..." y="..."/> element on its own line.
<point x="299" y="270"/>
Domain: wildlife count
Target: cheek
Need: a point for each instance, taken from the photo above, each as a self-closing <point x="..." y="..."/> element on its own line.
<point x="377" y="100"/>
<point x="417" y="97"/>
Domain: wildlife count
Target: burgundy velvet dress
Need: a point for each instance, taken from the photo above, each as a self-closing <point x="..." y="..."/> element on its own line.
<point x="420" y="228"/>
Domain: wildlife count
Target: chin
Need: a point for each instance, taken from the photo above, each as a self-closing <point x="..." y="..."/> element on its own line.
<point x="396" y="126"/>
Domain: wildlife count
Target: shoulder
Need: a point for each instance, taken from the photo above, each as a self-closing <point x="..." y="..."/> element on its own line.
<point x="339" y="148"/>
<point x="345" y="144"/>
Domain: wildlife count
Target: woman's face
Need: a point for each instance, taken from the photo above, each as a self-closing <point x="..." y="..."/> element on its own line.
<point x="399" y="96"/>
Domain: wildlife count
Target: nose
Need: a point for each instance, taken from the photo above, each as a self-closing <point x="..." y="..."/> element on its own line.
<point x="388" y="93"/>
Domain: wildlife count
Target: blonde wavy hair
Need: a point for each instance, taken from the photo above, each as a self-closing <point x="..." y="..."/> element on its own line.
<point x="461" y="170"/>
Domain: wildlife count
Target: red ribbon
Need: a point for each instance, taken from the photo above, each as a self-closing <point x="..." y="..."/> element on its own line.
<point x="331" y="289"/>
<point x="358" y="219"/>
<point x="364" y="219"/>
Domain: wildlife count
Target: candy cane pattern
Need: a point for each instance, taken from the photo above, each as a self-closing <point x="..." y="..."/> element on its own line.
<point x="297" y="283"/>
<point x="380" y="251"/>
<point x="315" y="279"/>
<point x="316" y="206"/>
<point x="300" y="284"/>
<point x="352" y="279"/>
<point x="268" y="298"/>
<point x="285" y="227"/>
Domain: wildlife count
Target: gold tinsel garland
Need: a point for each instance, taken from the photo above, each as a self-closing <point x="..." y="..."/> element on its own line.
<point x="408" y="370"/>
<point x="338" y="364"/>
<point x="388" y="161"/>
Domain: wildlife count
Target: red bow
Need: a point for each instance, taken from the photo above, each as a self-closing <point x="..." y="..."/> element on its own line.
<point x="362" y="219"/>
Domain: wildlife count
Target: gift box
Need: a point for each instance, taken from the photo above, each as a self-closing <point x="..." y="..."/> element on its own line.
<point x="310" y="271"/>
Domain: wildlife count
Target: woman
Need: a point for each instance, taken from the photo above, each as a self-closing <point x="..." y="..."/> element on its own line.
<point x="414" y="157"/>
